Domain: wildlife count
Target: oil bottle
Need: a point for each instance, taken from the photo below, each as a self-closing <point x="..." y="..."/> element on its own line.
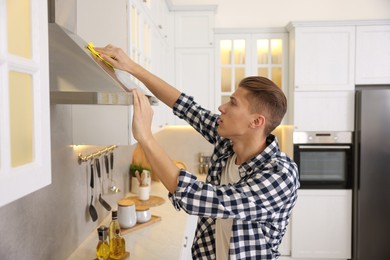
<point x="102" y="248"/>
<point x="117" y="242"/>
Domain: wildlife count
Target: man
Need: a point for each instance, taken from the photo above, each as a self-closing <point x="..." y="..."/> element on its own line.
<point x="251" y="188"/>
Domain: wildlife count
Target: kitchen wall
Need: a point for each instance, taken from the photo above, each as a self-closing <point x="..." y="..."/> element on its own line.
<point x="52" y="222"/>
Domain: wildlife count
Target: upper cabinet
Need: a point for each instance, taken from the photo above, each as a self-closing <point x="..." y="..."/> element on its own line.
<point x="25" y="154"/>
<point x="324" y="110"/>
<point x="194" y="55"/>
<point x="323" y="57"/>
<point x="194" y="28"/>
<point x="321" y="79"/>
<point x="373" y="54"/>
<point x="255" y="53"/>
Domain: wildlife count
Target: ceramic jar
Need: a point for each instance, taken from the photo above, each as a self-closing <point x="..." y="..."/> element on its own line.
<point x="143" y="192"/>
<point x="143" y="214"/>
<point x="126" y="213"/>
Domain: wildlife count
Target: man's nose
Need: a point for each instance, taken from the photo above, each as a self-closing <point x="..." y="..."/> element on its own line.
<point x="220" y="108"/>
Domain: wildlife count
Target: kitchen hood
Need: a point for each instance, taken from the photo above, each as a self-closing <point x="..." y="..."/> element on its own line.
<point x="77" y="77"/>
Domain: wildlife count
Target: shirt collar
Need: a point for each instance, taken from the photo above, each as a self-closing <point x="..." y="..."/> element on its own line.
<point x="271" y="148"/>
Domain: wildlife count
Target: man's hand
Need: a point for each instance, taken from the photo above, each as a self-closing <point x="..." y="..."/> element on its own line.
<point x="142" y="117"/>
<point x="117" y="57"/>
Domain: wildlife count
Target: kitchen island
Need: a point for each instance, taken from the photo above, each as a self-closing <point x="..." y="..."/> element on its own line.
<point x="161" y="240"/>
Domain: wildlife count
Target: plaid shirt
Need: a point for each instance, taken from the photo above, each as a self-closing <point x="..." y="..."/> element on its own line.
<point x="259" y="204"/>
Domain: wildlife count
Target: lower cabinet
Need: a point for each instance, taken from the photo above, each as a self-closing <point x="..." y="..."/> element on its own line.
<point x="322" y="225"/>
<point x="188" y="237"/>
<point x="285" y="246"/>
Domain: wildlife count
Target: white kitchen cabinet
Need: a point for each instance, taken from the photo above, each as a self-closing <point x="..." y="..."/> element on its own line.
<point x="194" y="54"/>
<point x="249" y="53"/>
<point x="161" y="17"/>
<point x="324" y="111"/>
<point x="285" y="246"/>
<point x="188" y="239"/>
<point x="322" y="57"/>
<point x="194" y="29"/>
<point x="373" y="54"/>
<point x="232" y="63"/>
<point x="25" y="153"/>
<point x="321" y="224"/>
<point x="195" y="75"/>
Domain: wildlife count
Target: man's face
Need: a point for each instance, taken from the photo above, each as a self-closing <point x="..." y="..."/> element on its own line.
<point x="235" y="116"/>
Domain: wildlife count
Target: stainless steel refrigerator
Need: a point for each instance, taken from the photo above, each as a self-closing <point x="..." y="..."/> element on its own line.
<point x="371" y="218"/>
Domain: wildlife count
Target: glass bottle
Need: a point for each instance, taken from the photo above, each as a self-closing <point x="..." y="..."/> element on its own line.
<point x="102" y="249"/>
<point x="117" y="242"/>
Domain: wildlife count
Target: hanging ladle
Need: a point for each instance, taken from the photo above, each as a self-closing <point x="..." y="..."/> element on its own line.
<point x="92" y="210"/>
<point x="101" y="200"/>
<point x="114" y="188"/>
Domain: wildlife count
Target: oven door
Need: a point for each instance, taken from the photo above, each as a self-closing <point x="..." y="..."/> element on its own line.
<point x="324" y="166"/>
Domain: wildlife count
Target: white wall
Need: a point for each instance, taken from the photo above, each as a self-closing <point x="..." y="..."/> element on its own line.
<point x="278" y="13"/>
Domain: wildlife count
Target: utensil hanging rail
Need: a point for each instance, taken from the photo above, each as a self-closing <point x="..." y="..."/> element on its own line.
<point x="82" y="158"/>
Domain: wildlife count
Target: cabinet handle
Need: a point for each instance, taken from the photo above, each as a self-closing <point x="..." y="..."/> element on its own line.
<point x="186" y="240"/>
<point x="296" y="86"/>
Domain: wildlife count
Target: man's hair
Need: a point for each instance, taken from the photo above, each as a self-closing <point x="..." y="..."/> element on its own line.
<point x="267" y="98"/>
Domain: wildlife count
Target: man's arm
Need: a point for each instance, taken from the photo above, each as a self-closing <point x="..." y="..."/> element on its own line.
<point x="163" y="166"/>
<point x="161" y="89"/>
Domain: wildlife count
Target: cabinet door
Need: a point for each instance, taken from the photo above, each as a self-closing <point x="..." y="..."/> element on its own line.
<point x="194" y="29"/>
<point x="194" y="75"/>
<point x="324" y="58"/>
<point x="285" y="246"/>
<point x="321" y="224"/>
<point x="373" y="54"/>
<point x="232" y="63"/>
<point x="324" y="111"/>
<point x="242" y="55"/>
<point x="25" y="156"/>
<point x="189" y="237"/>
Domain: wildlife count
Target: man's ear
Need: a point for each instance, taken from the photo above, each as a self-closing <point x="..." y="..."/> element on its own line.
<point x="258" y="121"/>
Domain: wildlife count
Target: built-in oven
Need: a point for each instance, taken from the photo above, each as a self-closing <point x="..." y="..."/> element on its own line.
<point x="324" y="159"/>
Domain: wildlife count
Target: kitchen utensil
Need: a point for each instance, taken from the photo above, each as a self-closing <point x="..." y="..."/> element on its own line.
<point x="101" y="200"/>
<point x="92" y="210"/>
<point x="126" y="213"/>
<point x="106" y="164"/>
<point x="113" y="188"/>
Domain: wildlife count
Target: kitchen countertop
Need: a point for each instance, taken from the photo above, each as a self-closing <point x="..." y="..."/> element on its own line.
<point x="160" y="240"/>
